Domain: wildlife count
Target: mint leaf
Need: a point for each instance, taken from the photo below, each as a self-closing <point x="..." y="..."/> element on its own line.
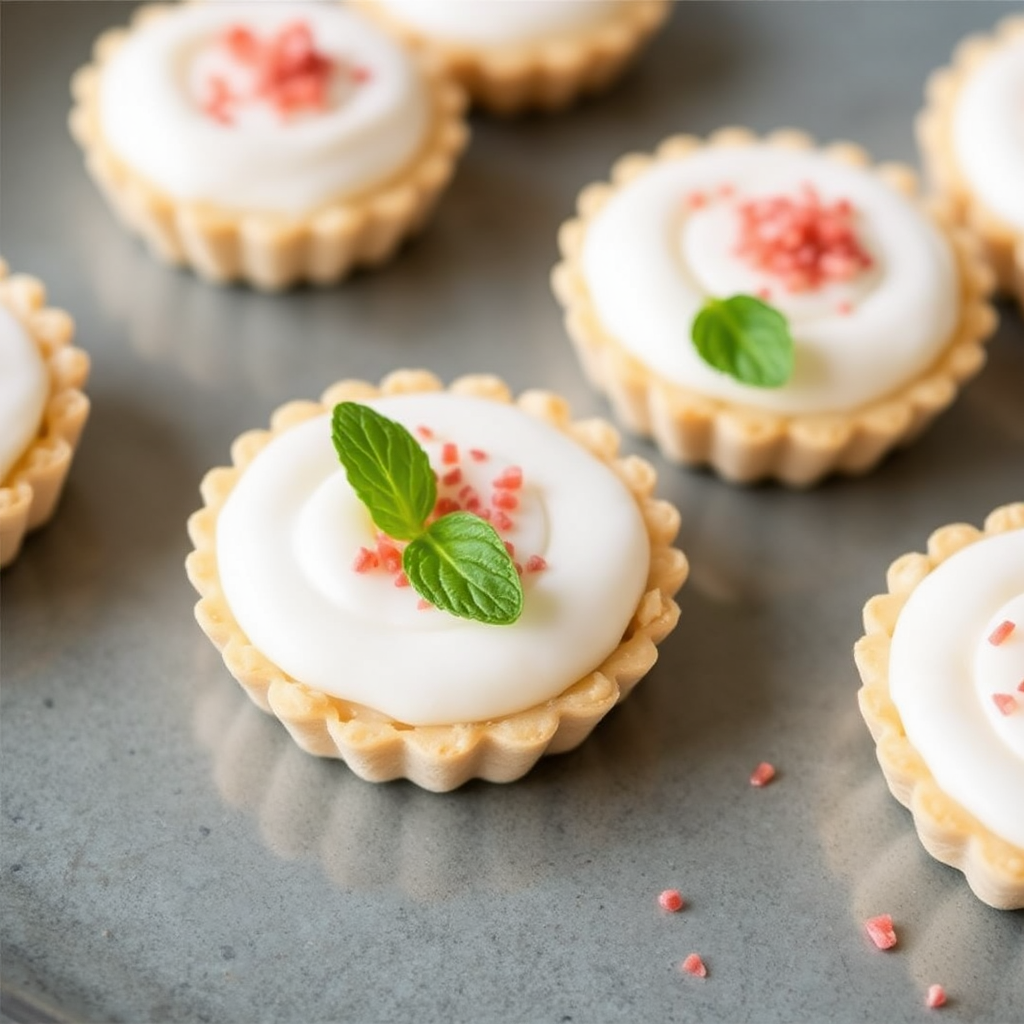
<point x="745" y="338"/>
<point x="460" y="564"/>
<point x="386" y="467"/>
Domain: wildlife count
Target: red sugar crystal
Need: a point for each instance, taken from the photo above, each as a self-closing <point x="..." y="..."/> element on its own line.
<point x="762" y="774"/>
<point x="764" y="294"/>
<point x="1020" y="686"/>
<point x="401" y="580"/>
<point x="452" y="477"/>
<point x="473" y="504"/>
<point x="425" y="433"/>
<point x="1006" y="702"/>
<point x="423" y="604"/>
<point x="390" y="556"/>
<point x="504" y="499"/>
<point x="365" y="560"/>
<point x="936" y="997"/>
<point x="478" y="454"/>
<point x="671" y="900"/>
<point x="695" y="966"/>
<point x="510" y="548"/>
<point x="446" y="505"/>
<point x="535" y="564"/>
<point x="518" y="568"/>
<point x="696" y="199"/>
<point x="501" y="521"/>
<point x="844" y="308"/>
<point x="450" y="454"/>
<point x="485" y="513"/>
<point x="880" y="931"/>
<point x="219" y="100"/>
<point x="1001" y="632"/>
<point x="510" y="479"/>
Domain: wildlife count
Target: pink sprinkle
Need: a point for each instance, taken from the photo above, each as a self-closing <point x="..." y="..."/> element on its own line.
<point x="936" y="997"/>
<point x="390" y="556"/>
<point x="671" y="900"/>
<point x="452" y="477"/>
<point x="511" y="479"/>
<point x="446" y="505"/>
<point x="764" y="294"/>
<point x="450" y="454"/>
<point x="696" y="199"/>
<point x="880" y="931"/>
<point x="501" y="521"/>
<point x="844" y="308"/>
<point x="359" y="75"/>
<point x="695" y="966"/>
<point x="473" y="504"/>
<point x="1006" y="702"/>
<point x="485" y="513"/>
<point x="423" y="604"/>
<point x="365" y="560"/>
<point x="535" y="564"/>
<point x="425" y="433"/>
<point x="1020" y="686"/>
<point x="401" y="580"/>
<point x="518" y="568"/>
<point x="762" y="774"/>
<point x="726" y="190"/>
<point x="478" y="454"/>
<point x="1001" y="632"/>
<point x="510" y="548"/>
<point x="504" y="499"/>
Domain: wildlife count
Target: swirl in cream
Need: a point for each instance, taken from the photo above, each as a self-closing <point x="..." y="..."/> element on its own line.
<point x="288" y="533"/>
<point x="651" y="258"/>
<point x="957" y="691"/>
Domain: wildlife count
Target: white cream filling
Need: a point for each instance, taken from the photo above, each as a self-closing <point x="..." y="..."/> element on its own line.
<point x="24" y="387"/>
<point x="988" y="133"/>
<point x="943" y="672"/>
<point x="650" y="263"/>
<point x="289" y="532"/>
<point x="496" y="23"/>
<point x="153" y="90"/>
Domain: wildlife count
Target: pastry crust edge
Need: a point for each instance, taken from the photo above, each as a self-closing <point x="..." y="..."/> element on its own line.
<point x="746" y="445"/>
<point x="1003" y="246"/>
<point x="267" y="251"/>
<point x="546" y="75"/>
<point x="441" y="758"/>
<point x="993" y="867"/>
<point x="31" y="490"/>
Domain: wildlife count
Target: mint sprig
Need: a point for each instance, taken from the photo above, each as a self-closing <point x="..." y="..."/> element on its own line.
<point x="745" y="338"/>
<point x="458" y="562"/>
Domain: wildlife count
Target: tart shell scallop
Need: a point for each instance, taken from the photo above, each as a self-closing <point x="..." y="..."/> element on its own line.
<point x="745" y="444"/>
<point x="440" y="758"/>
<point x="547" y="75"/>
<point x="994" y="868"/>
<point x="270" y="251"/>
<point x="1003" y="246"/>
<point x="31" y="490"/>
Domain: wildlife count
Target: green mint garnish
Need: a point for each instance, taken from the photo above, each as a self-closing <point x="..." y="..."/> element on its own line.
<point x="458" y="562"/>
<point x="745" y="338"/>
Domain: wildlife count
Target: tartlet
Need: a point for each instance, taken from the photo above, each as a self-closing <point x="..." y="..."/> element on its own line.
<point x="886" y="327"/>
<point x="42" y="407"/>
<point x="942" y="665"/>
<point x="972" y="147"/>
<point x="512" y="57"/>
<point x="268" y="144"/>
<point x="497" y="698"/>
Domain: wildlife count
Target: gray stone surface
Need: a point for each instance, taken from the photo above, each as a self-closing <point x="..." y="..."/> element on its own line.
<point x="169" y="855"/>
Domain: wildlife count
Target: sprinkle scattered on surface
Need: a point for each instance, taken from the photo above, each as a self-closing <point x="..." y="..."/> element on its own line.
<point x="881" y="931"/>
<point x="671" y="900"/>
<point x="936" y="997"/>
<point x="1001" y="632"/>
<point x="695" y="966"/>
<point x="1006" y="702"/>
<point x="762" y="774"/>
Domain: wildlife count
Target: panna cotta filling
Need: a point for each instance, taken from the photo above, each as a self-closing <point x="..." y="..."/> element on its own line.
<point x="499" y="24"/>
<point x="988" y="133"/>
<point x="956" y="669"/>
<point x="271" y="107"/>
<point x="290" y="539"/>
<point x="673" y="237"/>
<point x="24" y="386"/>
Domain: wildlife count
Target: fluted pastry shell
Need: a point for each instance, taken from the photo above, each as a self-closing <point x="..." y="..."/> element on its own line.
<point x="994" y="868"/>
<point x="30" y="491"/>
<point x="1002" y="243"/>
<point x="440" y="758"/>
<point x="743" y="444"/>
<point x="266" y="250"/>
<point x="539" y="75"/>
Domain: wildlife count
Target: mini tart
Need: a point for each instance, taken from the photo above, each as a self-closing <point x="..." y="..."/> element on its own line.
<point x="538" y="74"/>
<point x="441" y="757"/>
<point x="30" y="490"/>
<point x="1003" y="242"/>
<point x="729" y="431"/>
<point x="268" y="249"/>
<point x="993" y="866"/>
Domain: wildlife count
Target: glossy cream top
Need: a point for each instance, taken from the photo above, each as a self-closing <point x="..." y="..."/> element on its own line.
<point x="153" y="92"/>
<point x="650" y="261"/>
<point x="496" y="24"/>
<point x="947" y="679"/>
<point x="988" y="133"/>
<point x="289" y="532"/>
<point x="24" y="387"/>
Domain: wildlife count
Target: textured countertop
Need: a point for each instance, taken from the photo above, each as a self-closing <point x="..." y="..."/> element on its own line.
<point x="169" y="855"/>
